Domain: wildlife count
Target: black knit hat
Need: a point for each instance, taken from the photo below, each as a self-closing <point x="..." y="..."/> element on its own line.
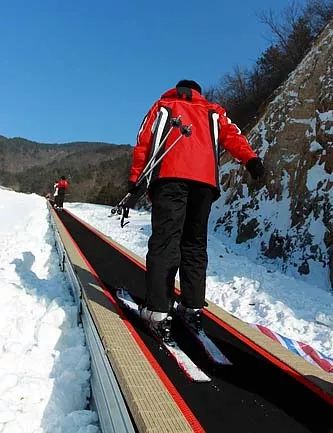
<point x="190" y="84"/>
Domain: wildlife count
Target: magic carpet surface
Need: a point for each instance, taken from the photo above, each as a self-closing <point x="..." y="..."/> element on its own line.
<point x="252" y="395"/>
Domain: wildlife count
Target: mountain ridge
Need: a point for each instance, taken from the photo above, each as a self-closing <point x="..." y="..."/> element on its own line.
<point x="98" y="171"/>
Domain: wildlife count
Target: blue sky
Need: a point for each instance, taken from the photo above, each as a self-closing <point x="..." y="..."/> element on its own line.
<point x="89" y="70"/>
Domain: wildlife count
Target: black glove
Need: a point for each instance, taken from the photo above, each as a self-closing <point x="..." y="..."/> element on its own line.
<point x="136" y="192"/>
<point x="131" y="187"/>
<point x="255" y="168"/>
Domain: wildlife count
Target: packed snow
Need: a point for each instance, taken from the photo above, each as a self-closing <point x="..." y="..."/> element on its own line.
<point x="44" y="362"/>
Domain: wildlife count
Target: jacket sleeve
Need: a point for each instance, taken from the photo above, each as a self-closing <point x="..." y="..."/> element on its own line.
<point x="233" y="141"/>
<point x="144" y="139"/>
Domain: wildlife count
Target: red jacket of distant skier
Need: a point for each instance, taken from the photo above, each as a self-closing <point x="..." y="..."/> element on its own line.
<point x="62" y="184"/>
<point x="195" y="157"/>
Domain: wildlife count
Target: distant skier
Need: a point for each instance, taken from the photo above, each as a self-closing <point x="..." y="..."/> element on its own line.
<point x="182" y="188"/>
<point x="60" y="188"/>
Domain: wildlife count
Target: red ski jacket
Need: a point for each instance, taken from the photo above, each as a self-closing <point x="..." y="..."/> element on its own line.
<point x="62" y="184"/>
<point x="195" y="157"/>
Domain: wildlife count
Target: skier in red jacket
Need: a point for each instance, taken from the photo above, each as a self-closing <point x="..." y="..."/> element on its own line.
<point x="182" y="187"/>
<point x="60" y="188"/>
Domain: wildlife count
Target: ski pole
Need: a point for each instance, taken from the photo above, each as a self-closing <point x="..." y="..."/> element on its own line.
<point x="185" y="130"/>
<point x="175" y="123"/>
<point x="118" y="208"/>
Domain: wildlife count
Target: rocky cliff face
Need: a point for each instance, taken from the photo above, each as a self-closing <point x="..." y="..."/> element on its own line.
<point x="289" y="216"/>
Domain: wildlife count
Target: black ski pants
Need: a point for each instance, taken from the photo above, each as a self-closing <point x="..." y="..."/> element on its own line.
<point x="59" y="199"/>
<point x="180" y="212"/>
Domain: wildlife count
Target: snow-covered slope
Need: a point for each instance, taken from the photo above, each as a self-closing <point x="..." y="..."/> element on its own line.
<point x="44" y="363"/>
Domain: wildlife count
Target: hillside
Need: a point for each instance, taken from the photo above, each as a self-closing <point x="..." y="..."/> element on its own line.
<point x="288" y="217"/>
<point x="98" y="171"/>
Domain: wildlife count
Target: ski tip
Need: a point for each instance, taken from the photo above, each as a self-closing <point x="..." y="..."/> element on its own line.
<point x="223" y="362"/>
<point x="205" y="379"/>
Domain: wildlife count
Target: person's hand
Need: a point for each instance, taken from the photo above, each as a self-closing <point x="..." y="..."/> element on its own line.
<point x="131" y="187"/>
<point x="255" y="168"/>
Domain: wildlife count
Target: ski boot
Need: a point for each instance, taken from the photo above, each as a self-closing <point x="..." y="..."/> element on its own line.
<point x="158" y="323"/>
<point x="192" y="317"/>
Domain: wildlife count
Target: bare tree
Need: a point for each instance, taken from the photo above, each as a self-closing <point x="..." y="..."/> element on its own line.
<point x="318" y="13"/>
<point x="283" y="27"/>
<point x="244" y="92"/>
